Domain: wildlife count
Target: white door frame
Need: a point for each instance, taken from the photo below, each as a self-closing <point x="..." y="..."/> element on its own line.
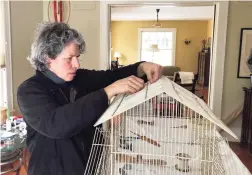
<point x="218" y="50"/>
<point x="8" y="57"/>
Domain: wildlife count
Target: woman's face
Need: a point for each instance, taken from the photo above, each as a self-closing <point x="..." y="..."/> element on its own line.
<point x="66" y="63"/>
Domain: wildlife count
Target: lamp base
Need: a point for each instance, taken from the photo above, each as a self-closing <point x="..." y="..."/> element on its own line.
<point x="114" y="65"/>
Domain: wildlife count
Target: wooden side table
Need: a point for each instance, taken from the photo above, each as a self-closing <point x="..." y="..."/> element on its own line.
<point x="11" y="161"/>
<point x="13" y="153"/>
<point x="246" y="132"/>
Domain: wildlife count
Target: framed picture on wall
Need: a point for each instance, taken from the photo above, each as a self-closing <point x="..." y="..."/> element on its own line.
<point x="244" y="53"/>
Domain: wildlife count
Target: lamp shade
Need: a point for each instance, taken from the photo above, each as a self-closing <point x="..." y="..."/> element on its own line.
<point x="157" y="25"/>
<point x="117" y="55"/>
<point x="154" y="48"/>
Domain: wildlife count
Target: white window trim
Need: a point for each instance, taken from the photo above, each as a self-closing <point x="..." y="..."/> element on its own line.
<point x="8" y="57"/>
<point x="174" y="32"/>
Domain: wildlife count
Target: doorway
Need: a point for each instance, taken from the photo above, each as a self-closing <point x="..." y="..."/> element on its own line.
<point x="219" y="23"/>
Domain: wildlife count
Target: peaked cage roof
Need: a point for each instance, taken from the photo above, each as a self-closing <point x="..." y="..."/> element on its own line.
<point x="124" y="102"/>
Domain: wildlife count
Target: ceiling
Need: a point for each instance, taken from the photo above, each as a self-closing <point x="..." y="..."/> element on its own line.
<point x="137" y="13"/>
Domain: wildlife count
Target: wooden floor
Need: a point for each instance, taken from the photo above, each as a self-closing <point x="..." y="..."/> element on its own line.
<point x="242" y="153"/>
<point x="202" y="92"/>
<point x="21" y="172"/>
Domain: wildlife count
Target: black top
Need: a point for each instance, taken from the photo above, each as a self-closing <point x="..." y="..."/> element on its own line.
<point x="60" y="118"/>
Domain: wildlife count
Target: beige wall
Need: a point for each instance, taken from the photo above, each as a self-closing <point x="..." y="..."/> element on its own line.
<point x="124" y="36"/>
<point x="209" y="28"/>
<point x="85" y="17"/>
<point x="232" y="90"/>
<point x="24" y="15"/>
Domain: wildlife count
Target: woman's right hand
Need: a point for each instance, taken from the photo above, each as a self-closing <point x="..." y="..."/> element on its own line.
<point x="131" y="84"/>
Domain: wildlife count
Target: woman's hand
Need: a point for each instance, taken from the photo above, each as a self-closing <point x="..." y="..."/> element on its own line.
<point x="130" y="85"/>
<point x="152" y="70"/>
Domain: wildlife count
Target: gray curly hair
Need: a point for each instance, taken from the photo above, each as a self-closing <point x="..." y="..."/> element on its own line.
<point x="50" y="40"/>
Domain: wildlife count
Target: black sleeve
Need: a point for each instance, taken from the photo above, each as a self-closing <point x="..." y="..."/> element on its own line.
<point x="101" y="79"/>
<point x="44" y="115"/>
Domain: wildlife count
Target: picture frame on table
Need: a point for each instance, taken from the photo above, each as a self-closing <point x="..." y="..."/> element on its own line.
<point x="244" y="53"/>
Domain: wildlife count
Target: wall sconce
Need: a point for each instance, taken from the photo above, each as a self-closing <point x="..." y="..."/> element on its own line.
<point x="187" y="42"/>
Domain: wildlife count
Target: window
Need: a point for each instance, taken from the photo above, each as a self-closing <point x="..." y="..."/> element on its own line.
<point x="157" y="45"/>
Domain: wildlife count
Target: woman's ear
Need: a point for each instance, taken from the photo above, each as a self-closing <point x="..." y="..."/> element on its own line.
<point x="48" y="61"/>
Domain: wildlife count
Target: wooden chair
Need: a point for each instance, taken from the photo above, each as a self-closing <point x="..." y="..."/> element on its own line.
<point x="169" y="71"/>
<point x="191" y="87"/>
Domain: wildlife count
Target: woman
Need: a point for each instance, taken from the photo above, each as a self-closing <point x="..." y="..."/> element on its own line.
<point x="61" y="102"/>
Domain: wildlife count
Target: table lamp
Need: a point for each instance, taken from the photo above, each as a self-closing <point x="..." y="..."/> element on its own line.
<point x="117" y="55"/>
<point x="154" y="48"/>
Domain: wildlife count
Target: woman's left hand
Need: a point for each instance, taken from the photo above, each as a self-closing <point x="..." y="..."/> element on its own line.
<point x="152" y="70"/>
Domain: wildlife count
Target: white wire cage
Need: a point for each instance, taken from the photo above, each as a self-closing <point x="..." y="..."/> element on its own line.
<point x="157" y="131"/>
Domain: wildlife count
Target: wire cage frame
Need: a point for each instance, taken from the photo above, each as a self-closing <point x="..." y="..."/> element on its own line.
<point x="160" y="136"/>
